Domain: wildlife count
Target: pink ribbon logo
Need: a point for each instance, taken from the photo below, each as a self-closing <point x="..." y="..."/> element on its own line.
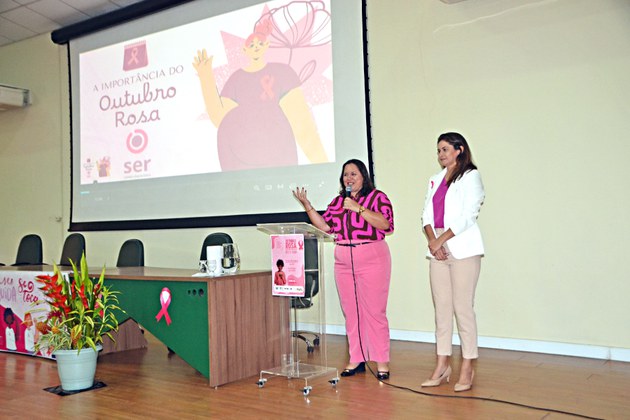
<point x="266" y="82"/>
<point x="165" y="300"/>
<point x="134" y="57"/>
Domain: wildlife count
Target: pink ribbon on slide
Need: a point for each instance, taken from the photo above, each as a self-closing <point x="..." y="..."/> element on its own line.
<point x="134" y="57"/>
<point x="165" y="300"/>
<point x="266" y="82"/>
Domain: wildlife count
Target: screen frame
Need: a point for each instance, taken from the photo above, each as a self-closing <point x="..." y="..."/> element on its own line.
<point x="64" y="35"/>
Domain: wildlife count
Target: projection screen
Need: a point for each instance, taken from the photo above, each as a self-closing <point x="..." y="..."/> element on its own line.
<point x="209" y="113"/>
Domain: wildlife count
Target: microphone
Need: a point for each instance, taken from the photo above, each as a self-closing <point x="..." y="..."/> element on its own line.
<point x="347" y="194"/>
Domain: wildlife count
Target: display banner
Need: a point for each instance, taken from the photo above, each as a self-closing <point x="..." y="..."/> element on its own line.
<point x="22" y="305"/>
<point x="287" y="260"/>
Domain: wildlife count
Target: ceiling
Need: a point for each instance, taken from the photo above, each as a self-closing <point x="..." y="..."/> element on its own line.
<point x="23" y="19"/>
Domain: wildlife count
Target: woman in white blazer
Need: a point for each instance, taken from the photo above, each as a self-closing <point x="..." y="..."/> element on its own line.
<point x="455" y="247"/>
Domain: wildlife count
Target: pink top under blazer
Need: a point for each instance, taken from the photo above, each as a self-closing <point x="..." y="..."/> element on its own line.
<point x="461" y="208"/>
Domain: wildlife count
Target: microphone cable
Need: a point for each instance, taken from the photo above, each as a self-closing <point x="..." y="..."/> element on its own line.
<point x="356" y="297"/>
<point x="430" y="394"/>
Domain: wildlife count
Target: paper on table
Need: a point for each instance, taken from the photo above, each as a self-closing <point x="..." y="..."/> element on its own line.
<point x="202" y="275"/>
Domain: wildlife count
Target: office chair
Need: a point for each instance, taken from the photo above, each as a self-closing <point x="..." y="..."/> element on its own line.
<point x="217" y="238"/>
<point x="29" y="251"/>
<point x="131" y="254"/>
<point x="73" y="248"/>
<point x="311" y="288"/>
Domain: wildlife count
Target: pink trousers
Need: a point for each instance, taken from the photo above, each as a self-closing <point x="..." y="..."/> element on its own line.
<point x="368" y="331"/>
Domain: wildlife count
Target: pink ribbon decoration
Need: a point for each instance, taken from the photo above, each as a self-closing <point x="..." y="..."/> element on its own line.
<point x="134" y="57"/>
<point x="165" y="300"/>
<point x="266" y="82"/>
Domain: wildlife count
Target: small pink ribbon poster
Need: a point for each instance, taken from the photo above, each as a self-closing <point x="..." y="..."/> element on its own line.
<point x="287" y="265"/>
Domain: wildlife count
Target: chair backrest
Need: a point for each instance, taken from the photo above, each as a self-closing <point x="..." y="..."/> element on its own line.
<point x="311" y="280"/>
<point x="217" y="238"/>
<point x="73" y="248"/>
<point x="29" y="251"/>
<point x="131" y="254"/>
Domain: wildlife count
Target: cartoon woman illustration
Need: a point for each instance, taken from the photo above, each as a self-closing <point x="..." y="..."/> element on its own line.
<point x="261" y="114"/>
<point x="279" y="278"/>
<point x="10" y="331"/>
<point x="29" y="333"/>
<point x="104" y="166"/>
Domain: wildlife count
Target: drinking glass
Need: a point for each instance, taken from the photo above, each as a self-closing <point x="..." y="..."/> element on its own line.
<point x="231" y="259"/>
<point x="212" y="266"/>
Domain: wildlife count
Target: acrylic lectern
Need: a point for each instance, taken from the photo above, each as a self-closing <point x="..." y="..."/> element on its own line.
<point x="300" y="319"/>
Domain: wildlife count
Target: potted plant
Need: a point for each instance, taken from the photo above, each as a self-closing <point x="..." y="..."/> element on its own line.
<point x="81" y="312"/>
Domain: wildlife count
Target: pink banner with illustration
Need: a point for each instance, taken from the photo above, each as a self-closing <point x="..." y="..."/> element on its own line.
<point x="22" y="305"/>
<point x="287" y="271"/>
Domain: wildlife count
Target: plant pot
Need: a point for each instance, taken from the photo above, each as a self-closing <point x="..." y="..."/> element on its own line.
<point x="76" y="370"/>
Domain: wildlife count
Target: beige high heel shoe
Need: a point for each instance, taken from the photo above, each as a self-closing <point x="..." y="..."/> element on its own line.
<point x="437" y="382"/>
<point x="465" y="387"/>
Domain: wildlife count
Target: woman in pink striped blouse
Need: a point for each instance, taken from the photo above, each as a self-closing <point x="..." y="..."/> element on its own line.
<point x="360" y="216"/>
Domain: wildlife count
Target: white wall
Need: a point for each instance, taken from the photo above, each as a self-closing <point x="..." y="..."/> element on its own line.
<point x="538" y="88"/>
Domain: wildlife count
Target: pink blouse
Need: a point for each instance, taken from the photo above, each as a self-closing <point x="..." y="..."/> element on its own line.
<point x="438" y="204"/>
<point x="350" y="225"/>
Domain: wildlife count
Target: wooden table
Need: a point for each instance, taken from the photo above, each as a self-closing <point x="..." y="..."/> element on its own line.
<point x="227" y="327"/>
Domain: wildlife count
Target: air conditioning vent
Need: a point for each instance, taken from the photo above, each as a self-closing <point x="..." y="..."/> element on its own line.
<point x="13" y="97"/>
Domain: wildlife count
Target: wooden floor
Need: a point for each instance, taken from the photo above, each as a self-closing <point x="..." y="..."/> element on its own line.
<point x="148" y="383"/>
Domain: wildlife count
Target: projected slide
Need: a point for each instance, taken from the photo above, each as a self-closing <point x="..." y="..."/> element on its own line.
<point x="249" y="89"/>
